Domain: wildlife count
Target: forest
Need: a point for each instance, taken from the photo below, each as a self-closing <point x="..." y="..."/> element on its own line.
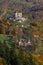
<point x="21" y="42"/>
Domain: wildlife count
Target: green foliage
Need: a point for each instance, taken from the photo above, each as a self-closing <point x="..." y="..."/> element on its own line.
<point x="16" y="56"/>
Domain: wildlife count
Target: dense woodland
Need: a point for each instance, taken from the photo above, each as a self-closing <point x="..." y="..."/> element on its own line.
<point x="11" y="32"/>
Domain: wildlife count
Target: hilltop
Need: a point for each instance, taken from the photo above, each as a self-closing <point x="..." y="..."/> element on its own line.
<point x="27" y="7"/>
<point x="23" y="4"/>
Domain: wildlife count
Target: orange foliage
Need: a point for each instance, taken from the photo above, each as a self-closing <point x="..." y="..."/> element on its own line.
<point x="1" y="60"/>
<point x="40" y="58"/>
<point x="0" y="18"/>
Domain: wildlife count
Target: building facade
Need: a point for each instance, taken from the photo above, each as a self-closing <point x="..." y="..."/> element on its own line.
<point x="18" y="15"/>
